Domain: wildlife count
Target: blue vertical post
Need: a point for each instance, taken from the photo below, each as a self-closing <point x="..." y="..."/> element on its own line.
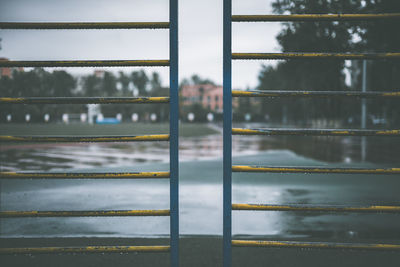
<point x="227" y="155"/>
<point x="174" y="132"/>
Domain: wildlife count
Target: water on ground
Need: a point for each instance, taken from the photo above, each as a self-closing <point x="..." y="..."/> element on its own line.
<point x="200" y="189"/>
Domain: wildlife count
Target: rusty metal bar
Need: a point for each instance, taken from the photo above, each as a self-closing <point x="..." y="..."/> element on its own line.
<point x="277" y="93"/>
<point x="296" y="207"/>
<point x="88" y="249"/>
<point x="85" y="139"/>
<point x="317" y="245"/>
<point x="100" y="213"/>
<point x="86" y="63"/>
<point x="314" y="132"/>
<point x="239" y="168"/>
<point x="263" y="56"/>
<point x="83" y="175"/>
<point x="83" y="100"/>
<point x="82" y="25"/>
<point x="314" y="17"/>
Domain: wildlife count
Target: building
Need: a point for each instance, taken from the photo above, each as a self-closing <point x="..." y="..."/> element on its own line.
<point x="208" y="95"/>
<point x="99" y="73"/>
<point x="6" y="71"/>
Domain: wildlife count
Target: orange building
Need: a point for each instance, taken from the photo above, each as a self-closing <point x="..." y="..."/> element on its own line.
<point x="208" y="95"/>
<point x="8" y="71"/>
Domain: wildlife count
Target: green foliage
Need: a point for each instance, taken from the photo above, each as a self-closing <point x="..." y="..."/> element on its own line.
<point x="197" y="109"/>
<point x="140" y="80"/>
<point x="36" y="83"/>
<point x="41" y="83"/>
<point x="196" y="79"/>
<point x="322" y="75"/>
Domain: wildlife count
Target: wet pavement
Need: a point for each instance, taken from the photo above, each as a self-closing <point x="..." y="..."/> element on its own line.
<point x="201" y="189"/>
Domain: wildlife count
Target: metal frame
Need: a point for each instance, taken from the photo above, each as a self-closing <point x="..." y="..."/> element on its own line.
<point x="228" y="56"/>
<point x="172" y="137"/>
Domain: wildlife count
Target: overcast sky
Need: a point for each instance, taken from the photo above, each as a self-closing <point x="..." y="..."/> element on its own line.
<point x="200" y="35"/>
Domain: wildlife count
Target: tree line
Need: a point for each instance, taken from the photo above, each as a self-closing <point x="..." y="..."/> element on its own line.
<point x="296" y="74"/>
<point x="39" y="82"/>
<point x="330" y="74"/>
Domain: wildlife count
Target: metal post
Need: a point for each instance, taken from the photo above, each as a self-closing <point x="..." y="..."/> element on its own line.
<point x="364" y="112"/>
<point x="227" y="135"/>
<point x="174" y="132"/>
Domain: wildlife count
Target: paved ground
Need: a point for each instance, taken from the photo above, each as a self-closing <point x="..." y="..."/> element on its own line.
<point x="200" y="251"/>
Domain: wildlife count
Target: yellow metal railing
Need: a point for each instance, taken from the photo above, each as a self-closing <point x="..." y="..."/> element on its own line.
<point x="229" y="131"/>
<point x="172" y="174"/>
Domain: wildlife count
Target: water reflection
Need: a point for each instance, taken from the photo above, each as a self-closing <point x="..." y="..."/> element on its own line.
<point x="71" y="156"/>
<point x="201" y="188"/>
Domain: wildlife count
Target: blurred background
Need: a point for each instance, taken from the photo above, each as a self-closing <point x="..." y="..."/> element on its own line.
<point x="201" y="109"/>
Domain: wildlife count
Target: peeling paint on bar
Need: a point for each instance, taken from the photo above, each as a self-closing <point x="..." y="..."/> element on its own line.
<point x="88" y="249"/>
<point x="317" y="245"/>
<point x="82" y="25"/>
<point x="313" y="132"/>
<point x="82" y="100"/>
<point x="108" y="213"/>
<point x="238" y="168"/>
<point x="276" y="93"/>
<point x="137" y="138"/>
<point x="87" y="63"/>
<point x="369" y="209"/>
<point x="121" y="175"/>
<point x="263" y="56"/>
<point x="314" y="17"/>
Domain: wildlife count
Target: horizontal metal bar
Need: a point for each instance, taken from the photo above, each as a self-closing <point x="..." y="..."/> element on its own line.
<point x="82" y="25"/>
<point x="368" y="209"/>
<point x="69" y="139"/>
<point x="240" y="168"/>
<point x="314" y="17"/>
<point x="89" y="249"/>
<point x="276" y="93"/>
<point x="83" y="100"/>
<point x="82" y="175"/>
<point x="261" y="56"/>
<point x="318" y="245"/>
<point x="102" y="213"/>
<point x="314" y="132"/>
<point x="86" y="63"/>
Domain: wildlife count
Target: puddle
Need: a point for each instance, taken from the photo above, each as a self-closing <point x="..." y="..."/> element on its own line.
<point x="200" y="189"/>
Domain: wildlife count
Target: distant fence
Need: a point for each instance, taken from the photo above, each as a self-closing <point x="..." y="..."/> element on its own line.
<point x="228" y="131"/>
<point x="172" y="174"/>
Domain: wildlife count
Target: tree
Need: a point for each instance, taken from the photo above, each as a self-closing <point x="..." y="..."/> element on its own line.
<point x="328" y="36"/>
<point x="37" y="83"/>
<point x="382" y="75"/>
<point x="155" y="81"/>
<point x="124" y="80"/>
<point x="140" y="80"/>
<point x="91" y="86"/>
<point x="196" y="79"/>
<point x="315" y="37"/>
<point x="108" y="84"/>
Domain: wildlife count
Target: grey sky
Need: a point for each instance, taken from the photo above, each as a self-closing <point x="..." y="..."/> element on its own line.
<point x="200" y="35"/>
